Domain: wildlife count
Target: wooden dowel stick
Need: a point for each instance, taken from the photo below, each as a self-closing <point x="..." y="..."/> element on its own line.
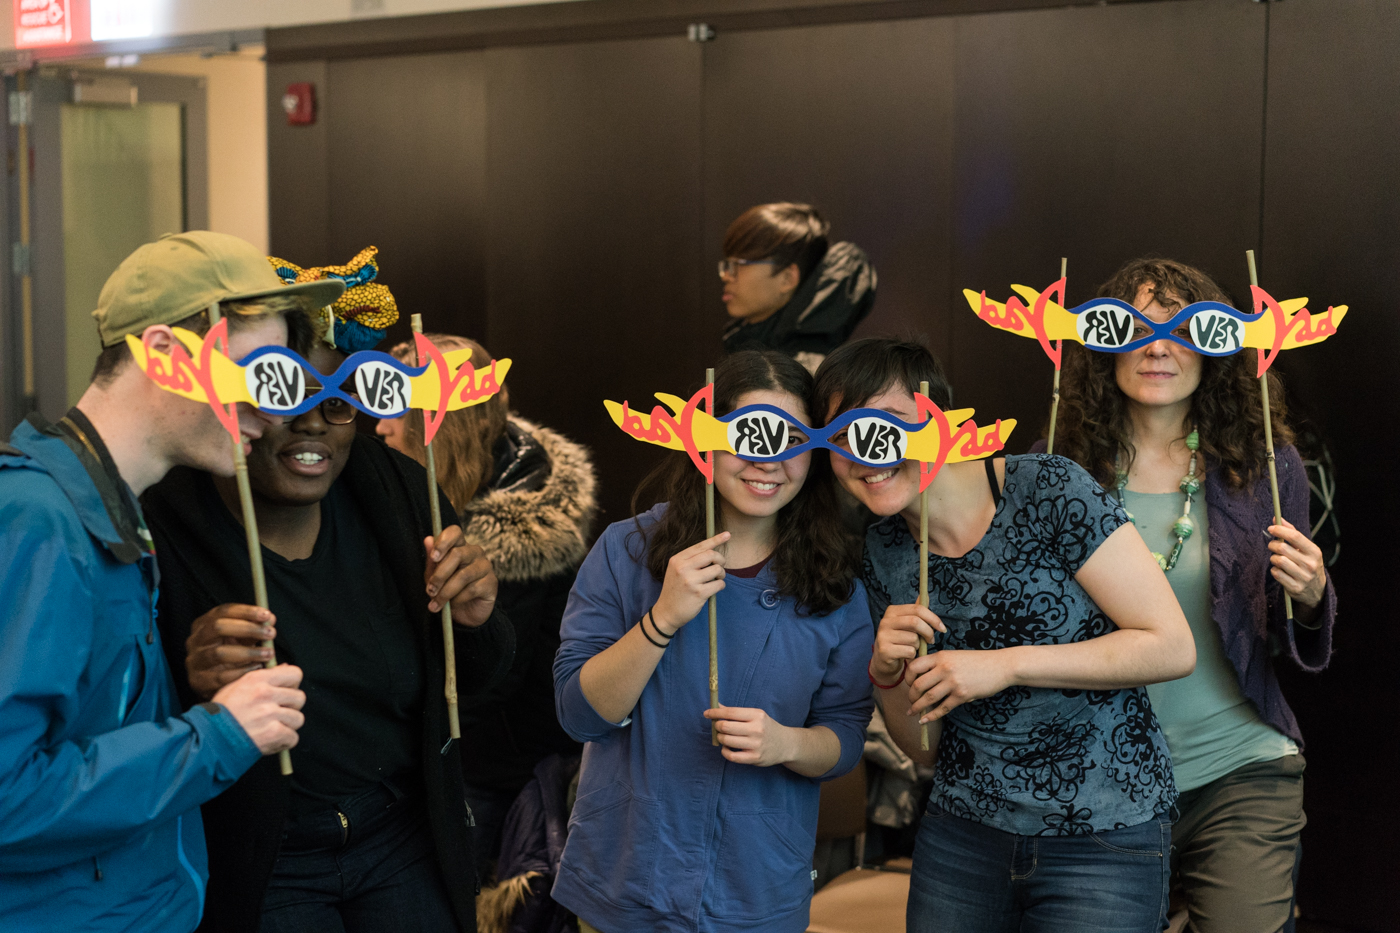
<point x="710" y="533"/>
<point x="923" y="570"/>
<point x="1055" y="395"/>
<point x="250" y="532"/>
<point x="1269" y="436"/>
<point x="449" y="641"/>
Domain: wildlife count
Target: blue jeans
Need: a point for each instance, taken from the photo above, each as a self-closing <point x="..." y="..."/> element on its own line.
<point x="378" y="874"/>
<point x="970" y="878"/>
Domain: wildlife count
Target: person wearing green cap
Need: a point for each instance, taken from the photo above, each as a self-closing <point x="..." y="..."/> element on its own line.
<point x="102" y="775"/>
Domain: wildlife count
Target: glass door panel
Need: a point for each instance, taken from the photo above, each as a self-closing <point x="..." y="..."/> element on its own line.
<point x="123" y="174"/>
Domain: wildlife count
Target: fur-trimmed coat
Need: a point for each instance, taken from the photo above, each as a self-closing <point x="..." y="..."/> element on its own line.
<point x="533" y="521"/>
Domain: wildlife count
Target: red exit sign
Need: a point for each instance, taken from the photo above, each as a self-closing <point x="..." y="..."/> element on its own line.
<point x="40" y="23"/>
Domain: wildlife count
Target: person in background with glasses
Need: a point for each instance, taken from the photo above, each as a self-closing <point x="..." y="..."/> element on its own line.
<point x="786" y="289"/>
<point x="371" y="832"/>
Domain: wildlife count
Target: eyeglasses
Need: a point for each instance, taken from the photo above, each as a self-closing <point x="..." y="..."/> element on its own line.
<point x="334" y="410"/>
<point x="729" y="267"/>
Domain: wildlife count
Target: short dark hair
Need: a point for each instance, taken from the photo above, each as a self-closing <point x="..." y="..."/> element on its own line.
<point x="784" y="232"/>
<point x="856" y="372"/>
<point x="240" y="314"/>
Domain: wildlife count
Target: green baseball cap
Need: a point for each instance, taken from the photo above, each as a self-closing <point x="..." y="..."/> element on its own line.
<point x="183" y="273"/>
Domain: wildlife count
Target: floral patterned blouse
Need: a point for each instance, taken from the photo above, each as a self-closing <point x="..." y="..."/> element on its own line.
<point x="1031" y="761"/>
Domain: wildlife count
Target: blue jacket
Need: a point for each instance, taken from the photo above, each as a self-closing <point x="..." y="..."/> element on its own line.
<point x="102" y="780"/>
<point x="666" y="835"/>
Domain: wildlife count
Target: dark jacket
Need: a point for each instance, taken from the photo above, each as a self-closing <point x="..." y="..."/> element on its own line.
<point x="820" y="315"/>
<point x="532" y="843"/>
<point x="244" y="825"/>
<point x="533" y="522"/>
<point x="1246" y="601"/>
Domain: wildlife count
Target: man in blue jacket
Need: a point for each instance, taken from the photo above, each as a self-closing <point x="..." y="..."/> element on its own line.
<point x="101" y="776"/>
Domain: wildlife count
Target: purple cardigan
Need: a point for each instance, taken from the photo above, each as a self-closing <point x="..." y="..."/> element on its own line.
<point x="1245" y="600"/>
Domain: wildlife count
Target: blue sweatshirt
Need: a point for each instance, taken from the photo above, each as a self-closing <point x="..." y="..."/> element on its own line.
<point x="666" y="835"/>
<point x="101" y="775"/>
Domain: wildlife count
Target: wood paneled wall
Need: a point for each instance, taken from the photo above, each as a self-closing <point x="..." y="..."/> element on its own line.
<point x="1331" y="231"/>
<point x="563" y="201"/>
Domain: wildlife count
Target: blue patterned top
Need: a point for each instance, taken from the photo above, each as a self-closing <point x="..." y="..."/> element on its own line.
<point x="1031" y="761"/>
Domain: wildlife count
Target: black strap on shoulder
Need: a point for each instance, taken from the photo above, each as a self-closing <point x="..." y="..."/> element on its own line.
<point x="992" y="481"/>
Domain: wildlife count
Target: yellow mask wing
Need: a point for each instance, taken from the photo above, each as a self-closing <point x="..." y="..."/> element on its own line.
<point x="425" y="391"/>
<point x="1059" y="323"/>
<point x="1301" y="327"/>
<point x="708" y="431"/>
<point x="652" y="428"/>
<point x="181" y="378"/>
<point x="983" y="442"/>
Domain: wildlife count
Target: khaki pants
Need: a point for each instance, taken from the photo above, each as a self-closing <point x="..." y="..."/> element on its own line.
<point x="1234" y="846"/>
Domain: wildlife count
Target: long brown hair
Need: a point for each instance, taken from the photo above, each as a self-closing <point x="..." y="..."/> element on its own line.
<point x="1094" y="429"/>
<point x="466" y="437"/>
<point x="814" y="560"/>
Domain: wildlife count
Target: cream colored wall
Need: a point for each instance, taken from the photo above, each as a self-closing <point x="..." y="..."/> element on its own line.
<point x="237" y="93"/>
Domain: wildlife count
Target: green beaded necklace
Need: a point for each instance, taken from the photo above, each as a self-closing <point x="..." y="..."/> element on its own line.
<point x="1183" y="527"/>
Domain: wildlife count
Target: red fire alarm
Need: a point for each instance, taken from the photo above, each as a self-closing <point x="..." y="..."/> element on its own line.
<point x="300" y="104"/>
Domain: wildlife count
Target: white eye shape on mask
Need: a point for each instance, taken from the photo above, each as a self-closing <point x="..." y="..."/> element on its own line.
<point x="1104" y="326"/>
<point x="276" y="382"/>
<point x="382" y="389"/>
<point x="1216" y="332"/>
<point x="758" y="435"/>
<point x="876" y="441"/>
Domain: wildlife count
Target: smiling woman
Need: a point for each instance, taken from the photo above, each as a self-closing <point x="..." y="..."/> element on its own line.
<point x="1142" y="422"/>
<point x="353" y="575"/>
<point x="1045" y="616"/>
<point x="294" y="464"/>
<point x="630" y="680"/>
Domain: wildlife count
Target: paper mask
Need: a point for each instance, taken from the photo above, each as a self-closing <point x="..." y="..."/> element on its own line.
<point x="1113" y="326"/>
<point x="764" y="433"/>
<point x="273" y="379"/>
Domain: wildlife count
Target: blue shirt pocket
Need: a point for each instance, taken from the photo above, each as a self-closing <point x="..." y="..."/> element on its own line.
<point x="763" y="867"/>
<point x="612" y="843"/>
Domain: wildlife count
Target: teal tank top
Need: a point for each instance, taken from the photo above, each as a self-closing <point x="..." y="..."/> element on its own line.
<point x="1211" y="727"/>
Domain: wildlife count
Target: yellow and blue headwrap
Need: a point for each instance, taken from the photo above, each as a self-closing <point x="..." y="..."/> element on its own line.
<point x="361" y="315"/>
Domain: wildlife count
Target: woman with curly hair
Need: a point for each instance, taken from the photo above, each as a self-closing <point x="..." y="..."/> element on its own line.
<point x="1052" y="785"/>
<point x="1155" y="426"/>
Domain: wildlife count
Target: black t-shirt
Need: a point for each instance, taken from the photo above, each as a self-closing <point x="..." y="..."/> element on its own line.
<point x="342" y="621"/>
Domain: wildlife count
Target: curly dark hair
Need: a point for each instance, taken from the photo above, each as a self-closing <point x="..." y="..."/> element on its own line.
<point x="1093" y="428"/>
<point x="814" y="559"/>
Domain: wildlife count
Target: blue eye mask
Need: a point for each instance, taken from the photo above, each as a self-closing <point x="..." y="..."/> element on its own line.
<point x="274" y="380"/>
<point x="1114" y="326"/>
<point x="764" y="433"/>
<point x="277" y="381"/>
